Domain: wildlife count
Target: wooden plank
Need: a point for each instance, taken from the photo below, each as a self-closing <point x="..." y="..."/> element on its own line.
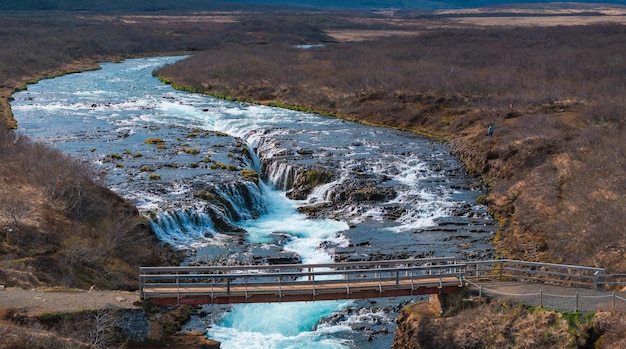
<point x="304" y="291"/>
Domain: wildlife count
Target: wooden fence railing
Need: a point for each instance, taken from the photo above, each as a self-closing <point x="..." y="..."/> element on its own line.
<point x="310" y="282"/>
<point x="298" y="282"/>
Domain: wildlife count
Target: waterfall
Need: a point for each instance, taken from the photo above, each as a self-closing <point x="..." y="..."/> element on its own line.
<point x="281" y="174"/>
<point x="183" y="228"/>
<point x="244" y="198"/>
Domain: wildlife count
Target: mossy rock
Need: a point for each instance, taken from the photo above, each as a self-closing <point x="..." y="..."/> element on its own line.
<point x="250" y="174"/>
<point x="191" y="151"/>
<point x="218" y="166"/>
<point x="316" y="177"/>
<point x="155" y="141"/>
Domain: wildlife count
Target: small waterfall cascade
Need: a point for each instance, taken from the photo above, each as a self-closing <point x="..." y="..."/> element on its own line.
<point x="183" y="228"/>
<point x="281" y="174"/>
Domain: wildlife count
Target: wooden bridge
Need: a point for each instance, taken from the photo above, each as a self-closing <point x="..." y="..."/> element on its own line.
<point x="352" y="280"/>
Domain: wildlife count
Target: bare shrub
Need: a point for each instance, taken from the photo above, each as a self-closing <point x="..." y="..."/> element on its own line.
<point x="14" y="207"/>
<point x="18" y="337"/>
<point x="97" y="328"/>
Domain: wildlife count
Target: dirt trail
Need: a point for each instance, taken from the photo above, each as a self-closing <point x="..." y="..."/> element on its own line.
<point x="40" y="301"/>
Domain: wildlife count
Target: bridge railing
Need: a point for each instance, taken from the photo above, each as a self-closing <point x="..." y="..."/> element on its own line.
<point x="354" y="277"/>
<point x="562" y="274"/>
<point x="248" y="280"/>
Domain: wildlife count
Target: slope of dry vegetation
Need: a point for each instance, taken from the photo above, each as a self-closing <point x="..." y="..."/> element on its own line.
<point x="555" y="96"/>
<point x="496" y="324"/>
<point x="62" y="228"/>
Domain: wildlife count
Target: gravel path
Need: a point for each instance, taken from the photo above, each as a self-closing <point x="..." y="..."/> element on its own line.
<point x="552" y="296"/>
<point x="39" y="301"/>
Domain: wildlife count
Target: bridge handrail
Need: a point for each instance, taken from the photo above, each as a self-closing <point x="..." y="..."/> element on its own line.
<point x="144" y="270"/>
<point x="217" y="281"/>
<point x="359" y="272"/>
<point x="536" y="271"/>
<point x="536" y="264"/>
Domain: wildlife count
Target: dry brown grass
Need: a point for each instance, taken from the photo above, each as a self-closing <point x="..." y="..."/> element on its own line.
<point x="21" y="337"/>
<point x="60" y="227"/>
<point x="501" y="325"/>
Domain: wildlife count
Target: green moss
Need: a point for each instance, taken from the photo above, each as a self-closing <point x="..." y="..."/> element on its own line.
<point x="146" y="168"/>
<point x="205" y="195"/>
<point x="481" y="199"/>
<point x="304" y="152"/>
<point x="154" y="176"/>
<point x="156" y="141"/>
<point x="218" y="166"/>
<point x="173" y="320"/>
<point x="245" y="151"/>
<point x="315" y="177"/>
<point x="190" y="151"/>
<point x="250" y="174"/>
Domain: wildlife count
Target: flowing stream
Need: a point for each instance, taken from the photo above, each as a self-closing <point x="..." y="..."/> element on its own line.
<point x="327" y="190"/>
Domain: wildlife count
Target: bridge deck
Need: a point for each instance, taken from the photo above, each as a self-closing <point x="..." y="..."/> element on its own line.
<point x="298" y="292"/>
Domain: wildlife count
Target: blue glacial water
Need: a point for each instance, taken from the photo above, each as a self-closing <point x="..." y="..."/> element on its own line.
<point x="428" y="207"/>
